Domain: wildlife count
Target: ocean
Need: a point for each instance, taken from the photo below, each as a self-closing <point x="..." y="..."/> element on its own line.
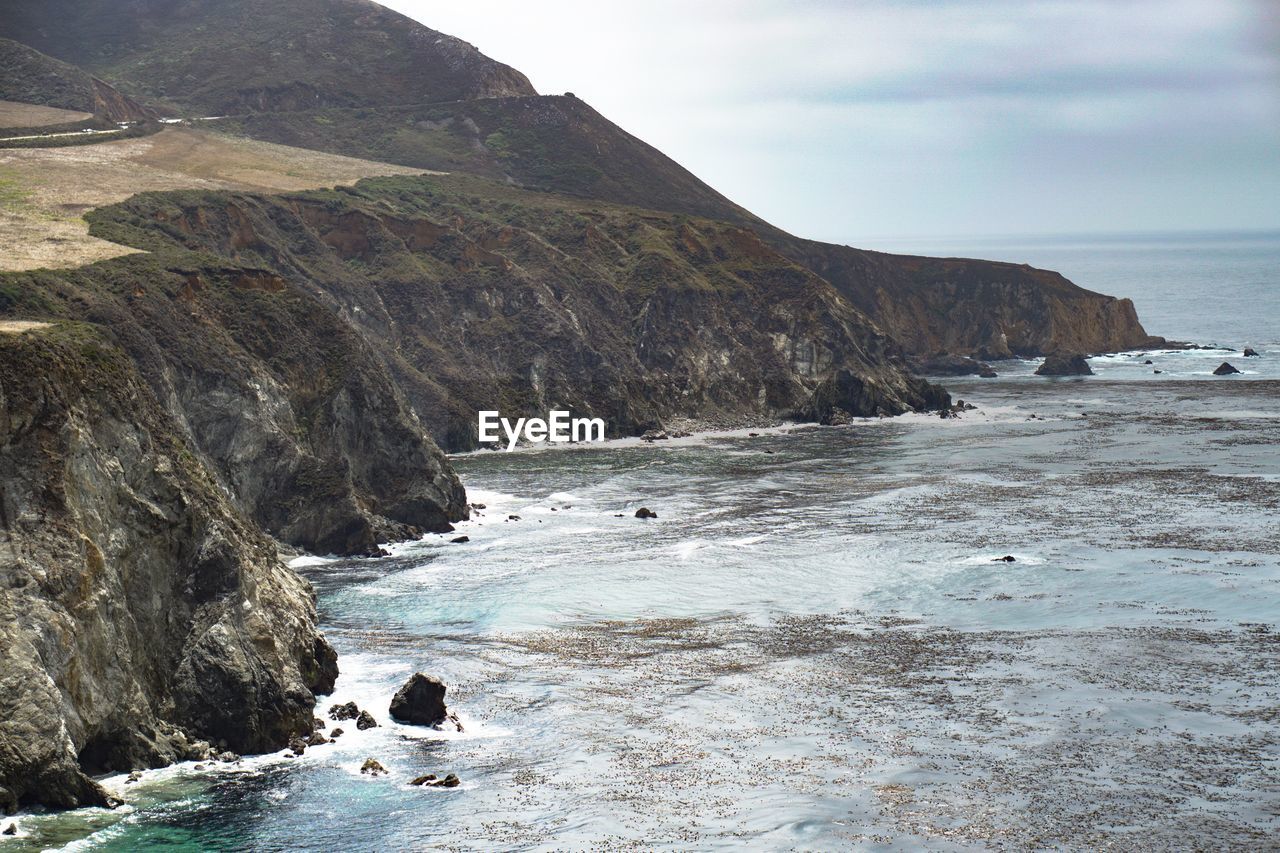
<point x="817" y="644"/>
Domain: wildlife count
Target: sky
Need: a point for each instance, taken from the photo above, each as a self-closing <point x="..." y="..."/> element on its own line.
<point x="845" y="121"/>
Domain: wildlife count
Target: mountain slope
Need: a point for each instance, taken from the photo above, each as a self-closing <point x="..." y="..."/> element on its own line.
<point x="30" y="77"/>
<point x="213" y="57"/>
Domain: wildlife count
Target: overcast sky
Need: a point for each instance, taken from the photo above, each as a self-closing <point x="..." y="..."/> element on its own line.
<point x="852" y="120"/>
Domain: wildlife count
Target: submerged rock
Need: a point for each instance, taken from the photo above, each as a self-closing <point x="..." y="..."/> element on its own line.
<point x="432" y="781"/>
<point x="1007" y="558"/>
<point x="372" y="767"/>
<point x="1225" y="369"/>
<point x="346" y="711"/>
<point x="1064" y="364"/>
<point x="645" y="512"/>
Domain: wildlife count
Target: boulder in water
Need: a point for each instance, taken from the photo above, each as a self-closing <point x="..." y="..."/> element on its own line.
<point x="645" y="512"/>
<point x="366" y="721"/>
<point x="1007" y="558"/>
<point x="1225" y="369"/>
<point x="1064" y="364"/>
<point x="372" y="767"/>
<point x="348" y="711"/>
<point x="420" y="702"/>
<point x="1250" y="352"/>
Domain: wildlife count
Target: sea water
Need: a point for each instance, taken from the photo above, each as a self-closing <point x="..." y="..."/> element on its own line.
<point x="815" y="644"/>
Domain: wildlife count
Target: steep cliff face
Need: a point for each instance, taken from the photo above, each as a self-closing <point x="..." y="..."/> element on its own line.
<point x="141" y="617"/>
<point x="480" y="296"/>
<point x="285" y="403"/>
<point x="968" y="307"/>
<point x="983" y="309"/>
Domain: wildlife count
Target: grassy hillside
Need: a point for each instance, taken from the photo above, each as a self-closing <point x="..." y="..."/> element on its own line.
<point x="44" y="192"/>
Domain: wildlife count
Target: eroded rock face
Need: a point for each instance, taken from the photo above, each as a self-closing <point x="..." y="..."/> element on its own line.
<point x="141" y="617"/>
<point x="287" y="405"/>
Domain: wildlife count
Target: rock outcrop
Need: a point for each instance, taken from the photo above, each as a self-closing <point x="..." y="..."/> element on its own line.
<point x="1064" y="364"/>
<point x="420" y="701"/>
<point x="1225" y="369"/>
<point x="142" y="618"/>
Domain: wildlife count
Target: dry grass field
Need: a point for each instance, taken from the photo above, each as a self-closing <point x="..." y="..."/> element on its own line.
<point x="44" y="192"/>
<point x="14" y="114"/>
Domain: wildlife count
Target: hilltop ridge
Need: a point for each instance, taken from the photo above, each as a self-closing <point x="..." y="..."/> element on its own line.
<point x="201" y="57"/>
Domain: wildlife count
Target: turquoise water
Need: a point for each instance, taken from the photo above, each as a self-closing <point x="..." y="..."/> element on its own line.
<point x="812" y="646"/>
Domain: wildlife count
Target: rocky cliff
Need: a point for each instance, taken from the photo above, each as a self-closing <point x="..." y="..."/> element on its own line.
<point x="983" y="309"/>
<point x="141" y="617"/>
<point x="476" y="295"/>
<point x="280" y="398"/>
